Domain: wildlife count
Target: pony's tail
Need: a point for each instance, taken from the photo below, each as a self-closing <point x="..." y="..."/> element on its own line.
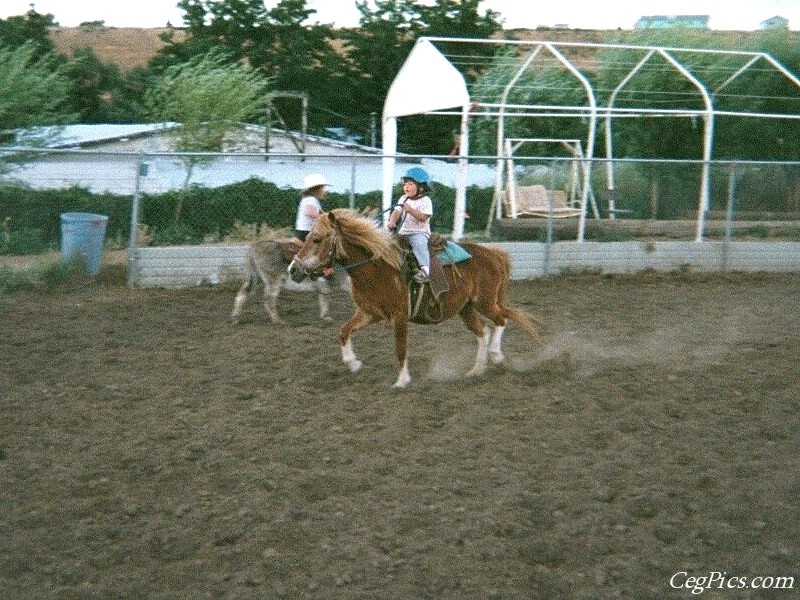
<point x="525" y="321"/>
<point x="518" y="316"/>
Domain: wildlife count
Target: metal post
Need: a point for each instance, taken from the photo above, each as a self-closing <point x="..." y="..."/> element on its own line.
<point x="729" y="217"/>
<point x="304" y="120"/>
<point x="548" y="244"/>
<point x="353" y="184"/>
<point x="267" y="131"/>
<point x="133" y="239"/>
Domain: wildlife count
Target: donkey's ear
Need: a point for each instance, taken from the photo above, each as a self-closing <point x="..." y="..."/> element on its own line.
<point x="331" y="217"/>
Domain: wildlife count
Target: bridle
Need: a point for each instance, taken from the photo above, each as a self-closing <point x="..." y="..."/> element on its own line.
<point x="347" y="267"/>
<point x="331" y="259"/>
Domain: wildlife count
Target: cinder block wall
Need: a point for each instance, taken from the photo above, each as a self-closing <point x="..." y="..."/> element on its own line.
<point x="186" y="266"/>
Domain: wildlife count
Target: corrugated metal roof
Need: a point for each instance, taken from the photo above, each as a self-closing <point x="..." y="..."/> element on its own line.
<point x="68" y="136"/>
<point x="348" y="166"/>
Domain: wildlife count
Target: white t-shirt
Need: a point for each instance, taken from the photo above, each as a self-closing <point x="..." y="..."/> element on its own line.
<point x="411" y="225"/>
<point x="303" y="222"/>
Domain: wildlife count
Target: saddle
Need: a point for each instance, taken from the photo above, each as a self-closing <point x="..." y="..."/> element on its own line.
<point x="437" y="283"/>
<point x="425" y="297"/>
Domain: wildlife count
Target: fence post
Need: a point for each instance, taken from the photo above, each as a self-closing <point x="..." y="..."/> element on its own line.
<point x="548" y="244"/>
<point x="353" y="183"/>
<point x="133" y="240"/>
<point x="729" y="217"/>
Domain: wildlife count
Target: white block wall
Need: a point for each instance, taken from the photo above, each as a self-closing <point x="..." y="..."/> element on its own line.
<point x="537" y="260"/>
<point x="186" y="266"/>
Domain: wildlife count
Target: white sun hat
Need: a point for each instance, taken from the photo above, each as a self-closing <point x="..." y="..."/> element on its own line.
<point x="313" y="180"/>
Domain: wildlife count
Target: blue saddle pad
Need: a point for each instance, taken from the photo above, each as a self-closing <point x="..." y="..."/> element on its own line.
<point x="452" y="253"/>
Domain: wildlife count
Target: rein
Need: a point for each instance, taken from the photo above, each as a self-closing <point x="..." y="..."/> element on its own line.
<point x="359" y="263"/>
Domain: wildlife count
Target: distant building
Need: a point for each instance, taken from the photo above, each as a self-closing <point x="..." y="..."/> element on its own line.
<point x="672" y="22"/>
<point x="775" y="22"/>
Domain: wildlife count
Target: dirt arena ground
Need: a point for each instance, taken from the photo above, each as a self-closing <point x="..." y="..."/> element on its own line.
<point x="149" y="449"/>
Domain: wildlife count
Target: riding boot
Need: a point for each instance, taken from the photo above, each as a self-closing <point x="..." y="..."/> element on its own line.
<point x="421" y="276"/>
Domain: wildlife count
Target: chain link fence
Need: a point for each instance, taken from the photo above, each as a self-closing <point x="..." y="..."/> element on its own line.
<point x="162" y="199"/>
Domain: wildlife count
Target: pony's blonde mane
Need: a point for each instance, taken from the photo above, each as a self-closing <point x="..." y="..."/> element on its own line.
<point x="364" y="232"/>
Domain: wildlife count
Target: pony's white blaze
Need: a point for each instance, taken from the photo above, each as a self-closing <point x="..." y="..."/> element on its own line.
<point x="310" y="261"/>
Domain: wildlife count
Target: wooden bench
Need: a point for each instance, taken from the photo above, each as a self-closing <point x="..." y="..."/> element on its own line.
<point x="534" y="201"/>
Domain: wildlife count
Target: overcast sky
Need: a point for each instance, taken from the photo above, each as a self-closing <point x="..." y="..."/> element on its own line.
<point x="583" y="14"/>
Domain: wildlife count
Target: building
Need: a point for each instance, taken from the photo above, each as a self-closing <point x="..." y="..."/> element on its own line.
<point x="105" y="158"/>
<point x="672" y="22"/>
<point x="776" y="22"/>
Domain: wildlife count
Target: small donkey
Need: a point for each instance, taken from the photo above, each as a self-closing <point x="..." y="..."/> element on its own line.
<point x="267" y="262"/>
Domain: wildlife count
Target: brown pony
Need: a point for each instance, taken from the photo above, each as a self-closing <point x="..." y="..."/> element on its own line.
<point x="380" y="289"/>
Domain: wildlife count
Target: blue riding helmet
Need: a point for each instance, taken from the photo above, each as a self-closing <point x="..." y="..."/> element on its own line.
<point x="418" y="174"/>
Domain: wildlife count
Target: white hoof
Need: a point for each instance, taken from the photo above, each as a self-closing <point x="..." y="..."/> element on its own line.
<point x="354" y="365"/>
<point x="496" y="357"/>
<point x="403" y="377"/>
<point x="476" y="371"/>
<point x="401" y="382"/>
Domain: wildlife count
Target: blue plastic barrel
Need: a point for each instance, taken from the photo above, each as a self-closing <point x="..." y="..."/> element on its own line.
<point x="82" y="235"/>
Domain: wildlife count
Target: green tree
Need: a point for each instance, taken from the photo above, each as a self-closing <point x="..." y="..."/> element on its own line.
<point x="346" y="73"/>
<point x="211" y="99"/>
<point x="99" y="91"/>
<point x="775" y="138"/>
<point x="765" y="90"/>
<point x="30" y="28"/>
<point x="34" y="92"/>
<point x="757" y="89"/>
<point x="278" y="42"/>
<point x="387" y="32"/>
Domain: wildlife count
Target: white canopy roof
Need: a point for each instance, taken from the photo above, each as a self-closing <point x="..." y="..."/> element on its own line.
<point x="427" y="81"/>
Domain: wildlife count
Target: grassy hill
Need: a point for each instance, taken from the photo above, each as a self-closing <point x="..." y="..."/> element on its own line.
<point x="126" y="47"/>
<point x="133" y="47"/>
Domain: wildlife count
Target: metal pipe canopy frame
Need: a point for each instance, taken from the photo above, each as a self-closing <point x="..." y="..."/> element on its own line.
<point x="445" y="93"/>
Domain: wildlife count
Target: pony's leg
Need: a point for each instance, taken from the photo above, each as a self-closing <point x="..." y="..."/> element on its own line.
<point x="496" y="345"/>
<point x="480" y="357"/>
<point x="498" y="315"/>
<point x="323" y="292"/>
<point x="474" y="323"/>
<point x="359" y="320"/>
<point x="401" y="351"/>
<point x="403" y="376"/>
